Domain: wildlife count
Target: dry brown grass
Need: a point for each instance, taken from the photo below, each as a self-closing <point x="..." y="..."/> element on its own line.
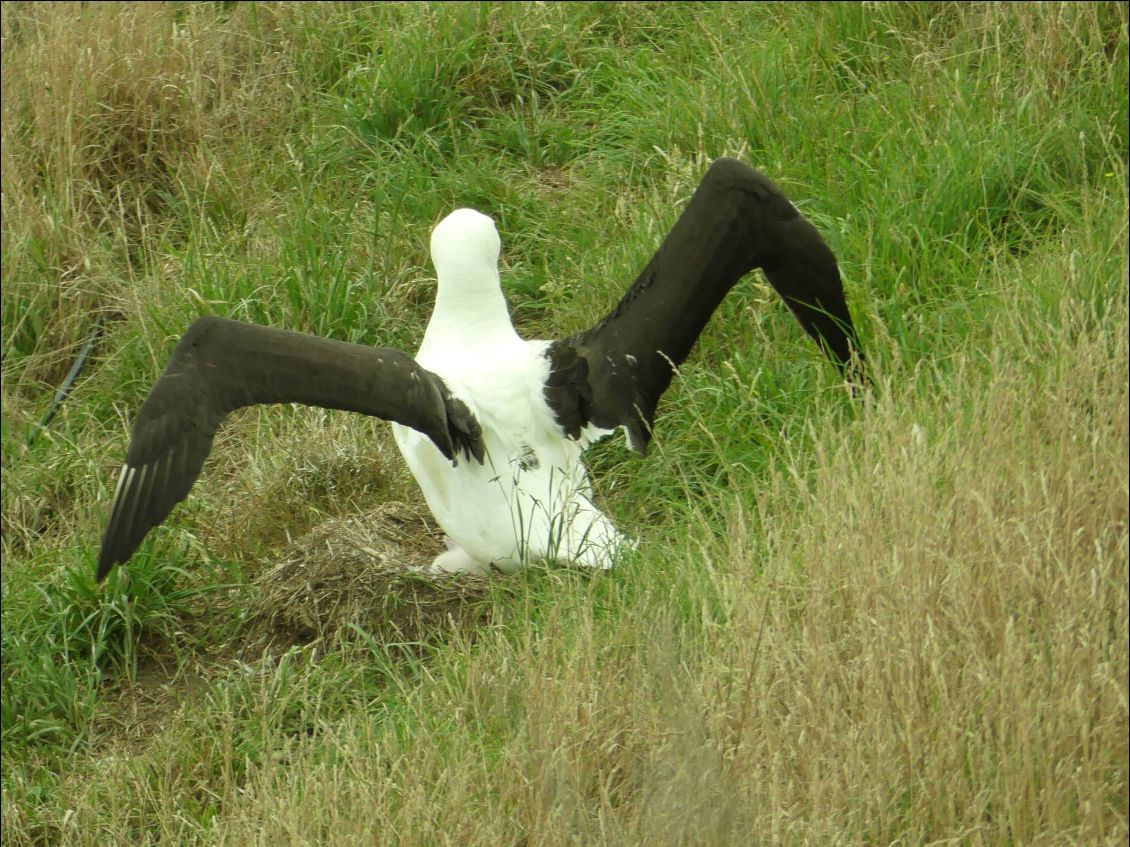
<point x="348" y="581"/>
<point x="912" y="632"/>
<point x="933" y="651"/>
<point x="931" y="648"/>
<point x="111" y="111"/>
<point x="362" y="571"/>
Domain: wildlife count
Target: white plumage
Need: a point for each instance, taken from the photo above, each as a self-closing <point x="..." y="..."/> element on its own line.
<point x="531" y="498"/>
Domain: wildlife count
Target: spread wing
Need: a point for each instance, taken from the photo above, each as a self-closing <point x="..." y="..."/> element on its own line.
<point x="221" y="365"/>
<point x="614" y="373"/>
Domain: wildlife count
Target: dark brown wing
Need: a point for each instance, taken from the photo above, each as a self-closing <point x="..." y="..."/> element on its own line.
<point x="221" y="365"/>
<point x="614" y="373"/>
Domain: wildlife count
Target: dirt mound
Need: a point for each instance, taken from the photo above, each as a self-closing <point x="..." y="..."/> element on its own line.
<point x="362" y="571"/>
<point x="351" y="579"/>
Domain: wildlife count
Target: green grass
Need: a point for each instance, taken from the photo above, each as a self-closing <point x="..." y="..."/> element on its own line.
<point x="898" y="620"/>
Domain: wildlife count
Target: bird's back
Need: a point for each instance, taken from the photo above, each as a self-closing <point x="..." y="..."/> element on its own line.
<point x="531" y="498"/>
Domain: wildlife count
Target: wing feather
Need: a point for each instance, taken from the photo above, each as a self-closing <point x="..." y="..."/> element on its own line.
<point x="221" y="365"/>
<point x="614" y="373"/>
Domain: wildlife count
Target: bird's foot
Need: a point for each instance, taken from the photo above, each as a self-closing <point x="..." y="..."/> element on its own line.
<point x="457" y="560"/>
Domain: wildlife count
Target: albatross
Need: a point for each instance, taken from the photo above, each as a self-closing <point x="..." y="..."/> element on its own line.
<point x="492" y="426"/>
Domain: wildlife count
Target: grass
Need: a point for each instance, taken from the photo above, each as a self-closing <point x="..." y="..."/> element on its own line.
<point x="902" y="620"/>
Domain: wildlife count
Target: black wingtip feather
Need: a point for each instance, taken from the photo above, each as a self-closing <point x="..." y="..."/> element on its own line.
<point x="106" y="562"/>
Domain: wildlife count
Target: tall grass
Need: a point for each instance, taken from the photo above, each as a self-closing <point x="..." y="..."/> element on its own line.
<point x="900" y="620"/>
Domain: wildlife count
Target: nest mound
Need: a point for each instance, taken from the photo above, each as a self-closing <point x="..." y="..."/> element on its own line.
<point x="363" y="572"/>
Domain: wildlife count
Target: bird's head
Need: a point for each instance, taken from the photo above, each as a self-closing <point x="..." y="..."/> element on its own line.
<point x="465" y="241"/>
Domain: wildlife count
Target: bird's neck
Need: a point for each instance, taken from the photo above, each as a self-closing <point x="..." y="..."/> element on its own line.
<point x="469" y="310"/>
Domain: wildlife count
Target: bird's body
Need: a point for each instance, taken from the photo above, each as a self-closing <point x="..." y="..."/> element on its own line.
<point x="492" y="426"/>
<point x="531" y="498"/>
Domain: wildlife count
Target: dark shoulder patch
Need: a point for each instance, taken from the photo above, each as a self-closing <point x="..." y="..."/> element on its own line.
<point x="567" y="391"/>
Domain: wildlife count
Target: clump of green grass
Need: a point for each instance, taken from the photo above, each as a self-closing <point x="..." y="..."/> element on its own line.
<point x="896" y="619"/>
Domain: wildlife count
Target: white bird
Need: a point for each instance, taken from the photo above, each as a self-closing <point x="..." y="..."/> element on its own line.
<point x="531" y="497"/>
<point x="520" y="413"/>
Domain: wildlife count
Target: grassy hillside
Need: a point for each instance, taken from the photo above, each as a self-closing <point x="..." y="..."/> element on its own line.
<point x="898" y="620"/>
